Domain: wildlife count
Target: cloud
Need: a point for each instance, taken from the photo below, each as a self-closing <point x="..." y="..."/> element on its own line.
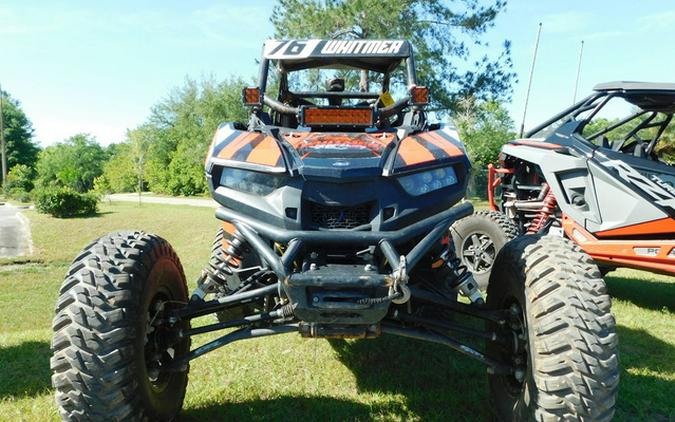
<point x="604" y="35"/>
<point x="661" y="20"/>
<point x="566" y="22"/>
<point x="217" y="23"/>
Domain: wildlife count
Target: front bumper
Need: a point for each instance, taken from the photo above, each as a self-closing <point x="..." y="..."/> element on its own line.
<point x="333" y="294"/>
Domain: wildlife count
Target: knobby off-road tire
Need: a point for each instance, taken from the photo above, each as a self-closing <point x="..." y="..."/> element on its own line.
<point x="570" y="346"/>
<point x="102" y="331"/>
<point x="492" y="230"/>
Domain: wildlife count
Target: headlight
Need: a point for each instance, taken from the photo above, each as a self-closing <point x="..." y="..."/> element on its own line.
<point x="426" y="181"/>
<point x="250" y="181"/>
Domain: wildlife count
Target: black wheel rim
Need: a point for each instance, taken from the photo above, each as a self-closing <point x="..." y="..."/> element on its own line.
<point x="159" y="349"/>
<point x="516" y="353"/>
<point x="478" y="252"/>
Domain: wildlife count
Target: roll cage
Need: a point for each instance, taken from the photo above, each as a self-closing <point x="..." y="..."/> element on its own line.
<point x="381" y="56"/>
<point x="654" y="108"/>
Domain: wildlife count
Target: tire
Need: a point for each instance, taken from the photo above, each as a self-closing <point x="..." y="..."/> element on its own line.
<point x="492" y="230"/>
<point x="569" y="346"/>
<point x="102" y="331"/>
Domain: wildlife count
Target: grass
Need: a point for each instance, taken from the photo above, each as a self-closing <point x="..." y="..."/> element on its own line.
<point x="288" y="378"/>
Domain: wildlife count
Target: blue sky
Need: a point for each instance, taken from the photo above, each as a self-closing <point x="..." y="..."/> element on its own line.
<point x="98" y="67"/>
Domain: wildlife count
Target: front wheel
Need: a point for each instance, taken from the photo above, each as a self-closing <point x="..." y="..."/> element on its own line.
<point x="109" y="345"/>
<point x="477" y="240"/>
<point x="564" y="344"/>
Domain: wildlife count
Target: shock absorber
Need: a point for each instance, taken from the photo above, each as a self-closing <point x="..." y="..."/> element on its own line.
<point x="459" y="278"/>
<point x="225" y="261"/>
<point x="232" y="256"/>
<point x="543" y="215"/>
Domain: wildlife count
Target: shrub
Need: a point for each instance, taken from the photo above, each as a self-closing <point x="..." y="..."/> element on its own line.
<point x="64" y="202"/>
<point x="75" y="163"/>
<point x="19" y="183"/>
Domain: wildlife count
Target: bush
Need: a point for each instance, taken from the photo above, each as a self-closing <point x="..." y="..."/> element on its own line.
<point x="64" y="202"/>
<point x="19" y="183"/>
<point x="75" y="163"/>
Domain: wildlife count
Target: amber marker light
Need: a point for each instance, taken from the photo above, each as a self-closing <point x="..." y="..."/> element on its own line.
<point x="251" y="96"/>
<point x="419" y="95"/>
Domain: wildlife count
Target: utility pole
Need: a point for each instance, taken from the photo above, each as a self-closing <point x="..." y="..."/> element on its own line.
<point x="529" y="82"/>
<point x="3" y="150"/>
<point x="576" y="84"/>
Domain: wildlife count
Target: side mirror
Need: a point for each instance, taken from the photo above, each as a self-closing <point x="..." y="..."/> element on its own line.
<point x="251" y="97"/>
<point x="419" y="95"/>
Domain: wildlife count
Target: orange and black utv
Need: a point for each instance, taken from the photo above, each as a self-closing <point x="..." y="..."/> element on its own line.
<point x="336" y="198"/>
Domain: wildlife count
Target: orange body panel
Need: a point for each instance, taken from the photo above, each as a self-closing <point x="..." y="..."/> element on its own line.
<point x="249" y="147"/>
<point x="412" y="152"/>
<point x="424" y="148"/>
<point x="451" y="149"/>
<point x="266" y="152"/>
<point x="235" y="145"/>
<point x="662" y="226"/>
<point x="653" y="255"/>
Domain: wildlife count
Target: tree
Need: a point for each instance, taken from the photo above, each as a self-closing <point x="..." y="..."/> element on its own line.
<point x="180" y="130"/>
<point x="73" y="163"/>
<point x="18" y="131"/>
<point x="139" y="144"/>
<point x="118" y="172"/>
<point x="445" y="37"/>
<point x="484" y="126"/>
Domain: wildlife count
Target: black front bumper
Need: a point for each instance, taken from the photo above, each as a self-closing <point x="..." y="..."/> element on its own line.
<point x="333" y="294"/>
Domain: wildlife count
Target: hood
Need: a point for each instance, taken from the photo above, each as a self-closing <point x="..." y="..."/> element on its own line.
<point x="335" y="154"/>
<point x="372" y="154"/>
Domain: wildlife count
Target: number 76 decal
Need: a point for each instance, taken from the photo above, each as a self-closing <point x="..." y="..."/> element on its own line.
<point x="289" y="49"/>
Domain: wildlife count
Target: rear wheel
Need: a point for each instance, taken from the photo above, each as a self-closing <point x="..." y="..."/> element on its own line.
<point x="565" y="343"/>
<point x="109" y="343"/>
<point x="478" y="238"/>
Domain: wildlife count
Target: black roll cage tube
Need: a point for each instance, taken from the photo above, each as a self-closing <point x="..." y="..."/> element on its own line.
<point x="590" y="103"/>
<point x="383" y="112"/>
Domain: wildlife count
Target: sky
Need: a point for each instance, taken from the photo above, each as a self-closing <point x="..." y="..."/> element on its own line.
<point x="98" y="67"/>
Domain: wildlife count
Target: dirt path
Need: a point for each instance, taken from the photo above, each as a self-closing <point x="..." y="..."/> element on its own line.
<point x="15" y="239"/>
<point x="148" y="199"/>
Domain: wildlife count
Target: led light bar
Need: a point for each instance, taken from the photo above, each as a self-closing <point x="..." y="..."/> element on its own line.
<point x="337" y="116"/>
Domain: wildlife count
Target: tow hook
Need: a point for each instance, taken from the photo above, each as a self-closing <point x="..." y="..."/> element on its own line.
<point x="400" y="284"/>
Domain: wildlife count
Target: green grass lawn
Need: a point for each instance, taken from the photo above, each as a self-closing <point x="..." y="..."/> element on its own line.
<point x="286" y="377"/>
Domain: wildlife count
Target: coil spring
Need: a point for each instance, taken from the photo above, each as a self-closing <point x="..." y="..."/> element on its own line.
<point x="233" y="254"/>
<point x="286" y="311"/>
<point x="459" y="271"/>
<point x="543" y="214"/>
